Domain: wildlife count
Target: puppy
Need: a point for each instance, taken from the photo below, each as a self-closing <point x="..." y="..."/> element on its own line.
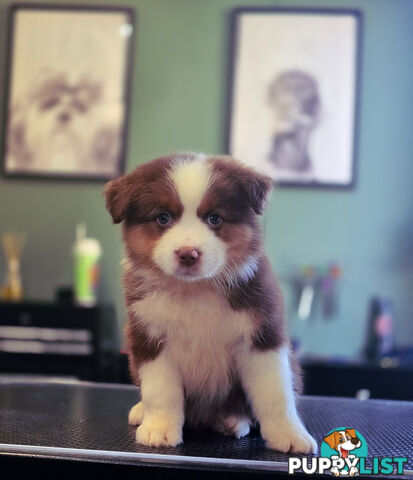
<point x="206" y="331"/>
<point x="344" y="441"/>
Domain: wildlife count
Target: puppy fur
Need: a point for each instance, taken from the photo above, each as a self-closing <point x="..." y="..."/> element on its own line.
<point x="206" y="330"/>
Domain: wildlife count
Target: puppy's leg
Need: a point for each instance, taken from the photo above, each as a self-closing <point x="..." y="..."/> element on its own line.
<point x="136" y="414"/>
<point x="234" y="425"/>
<point x="267" y="379"/>
<point x="163" y="397"/>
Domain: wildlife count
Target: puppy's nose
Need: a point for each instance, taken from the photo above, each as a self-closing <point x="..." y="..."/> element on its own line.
<point x="355" y="441"/>
<point x="64" y="117"/>
<point x="188" y="256"/>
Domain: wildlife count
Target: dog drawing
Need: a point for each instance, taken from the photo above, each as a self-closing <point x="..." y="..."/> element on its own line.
<point x="343" y="441"/>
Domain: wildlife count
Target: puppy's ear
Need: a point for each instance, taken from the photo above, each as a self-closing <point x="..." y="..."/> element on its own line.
<point x="351" y="432"/>
<point x="332" y="440"/>
<point x="258" y="188"/>
<point x="118" y="193"/>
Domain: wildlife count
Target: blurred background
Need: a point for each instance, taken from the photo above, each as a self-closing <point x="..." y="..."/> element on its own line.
<point x="344" y="256"/>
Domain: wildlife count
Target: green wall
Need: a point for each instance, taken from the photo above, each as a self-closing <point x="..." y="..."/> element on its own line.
<point x="178" y="102"/>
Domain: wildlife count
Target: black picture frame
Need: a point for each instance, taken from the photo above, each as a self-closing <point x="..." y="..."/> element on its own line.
<point x="124" y="98"/>
<point x="234" y="57"/>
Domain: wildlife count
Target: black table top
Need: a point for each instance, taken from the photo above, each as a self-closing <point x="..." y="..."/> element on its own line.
<point x="88" y="422"/>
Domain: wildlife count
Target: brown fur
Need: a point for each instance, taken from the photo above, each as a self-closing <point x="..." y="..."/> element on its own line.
<point x="207" y="411"/>
<point x="136" y="196"/>
<point x="141" y="347"/>
<point x="262" y="296"/>
<point x="250" y="188"/>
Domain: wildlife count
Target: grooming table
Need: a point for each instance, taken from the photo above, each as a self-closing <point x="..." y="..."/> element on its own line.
<point x="65" y="427"/>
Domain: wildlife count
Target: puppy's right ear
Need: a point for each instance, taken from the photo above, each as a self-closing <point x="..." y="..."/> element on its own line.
<point x="332" y="440"/>
<point x="118" y="193"/>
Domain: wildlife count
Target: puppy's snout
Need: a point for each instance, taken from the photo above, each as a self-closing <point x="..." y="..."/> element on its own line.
<point x="64" y="117"/>
<point x="188" y="256"/>
<point x="355" y="441"/>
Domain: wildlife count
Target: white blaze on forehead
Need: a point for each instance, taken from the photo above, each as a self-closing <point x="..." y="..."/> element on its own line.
<point x="191" y="176"/>
<point x="191" y="179"/>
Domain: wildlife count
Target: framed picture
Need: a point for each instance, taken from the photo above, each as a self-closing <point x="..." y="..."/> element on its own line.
<point x="293" y="94"/>
<point x="68" y="89"/>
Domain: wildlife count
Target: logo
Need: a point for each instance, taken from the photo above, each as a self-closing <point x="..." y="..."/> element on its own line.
<point x="344" y="452"/>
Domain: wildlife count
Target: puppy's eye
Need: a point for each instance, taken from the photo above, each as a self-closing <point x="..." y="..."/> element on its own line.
<point x="49" y="103"/>
<point x="214" y="219"/>
<point x="164" y="219"/>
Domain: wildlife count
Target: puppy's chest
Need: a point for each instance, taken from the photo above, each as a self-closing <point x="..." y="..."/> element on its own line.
<point x="202" y="334"/>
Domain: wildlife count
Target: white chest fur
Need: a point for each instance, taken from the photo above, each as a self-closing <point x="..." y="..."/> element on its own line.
<point x="202" y="334"/>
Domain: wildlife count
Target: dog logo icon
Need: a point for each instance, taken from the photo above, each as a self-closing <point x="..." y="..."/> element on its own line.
<point x="344" y="453"/>
<point x="345" y="443"/>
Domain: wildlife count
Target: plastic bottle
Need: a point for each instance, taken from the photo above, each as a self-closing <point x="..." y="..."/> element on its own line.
<point x="87" y="252"/>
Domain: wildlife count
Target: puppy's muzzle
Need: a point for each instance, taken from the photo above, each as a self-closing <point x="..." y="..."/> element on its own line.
<point x="188" y="256"/>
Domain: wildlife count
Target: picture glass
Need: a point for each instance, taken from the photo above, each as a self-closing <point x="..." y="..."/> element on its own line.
<point x="66" y="102"/>
<point x="294" y="95"/>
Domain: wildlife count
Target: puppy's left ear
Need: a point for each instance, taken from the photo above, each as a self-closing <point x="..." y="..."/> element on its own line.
<point x="118" y="193"/>
<point x="258" y="188"/>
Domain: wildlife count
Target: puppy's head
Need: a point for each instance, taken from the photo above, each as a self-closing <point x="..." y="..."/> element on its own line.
<point x="191" y="216"/>
<point x="343" y="441"/>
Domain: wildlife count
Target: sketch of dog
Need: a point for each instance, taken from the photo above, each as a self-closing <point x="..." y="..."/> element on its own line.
<point x="59" y="126"/>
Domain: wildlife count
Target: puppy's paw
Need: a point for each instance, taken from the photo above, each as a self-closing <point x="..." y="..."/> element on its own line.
<point x="354" y="471"/>
<point x="289" y="436"/>
<point x="234" y="426"/>
<point x="136" y="414"/>
<point x="157" y="432"/>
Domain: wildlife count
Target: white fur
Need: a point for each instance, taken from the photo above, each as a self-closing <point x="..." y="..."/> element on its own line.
<point x="202" y="336"/>
<point x="234" y="425"/>
<point x="267" y="379"/>
<point x="163" y="401"/>
<point x="191" y="180"/>
<point x="248" y="270"/>
<point x="347" y="444"/>
<point x="136" y="414"/>
<point x="204" y="341"/>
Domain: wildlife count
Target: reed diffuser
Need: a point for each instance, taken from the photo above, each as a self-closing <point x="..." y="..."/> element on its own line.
<point x="13" y="245"/>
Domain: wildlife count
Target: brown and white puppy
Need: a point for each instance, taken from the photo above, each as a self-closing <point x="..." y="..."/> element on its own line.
<point x="343" y="441"/>
<point x="206" y="331"/>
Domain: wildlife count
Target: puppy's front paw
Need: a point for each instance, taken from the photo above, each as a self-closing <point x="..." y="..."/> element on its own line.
<point x="288" y="436"/>
<point x="136" y="414"/>
<point x="157" y="432"/>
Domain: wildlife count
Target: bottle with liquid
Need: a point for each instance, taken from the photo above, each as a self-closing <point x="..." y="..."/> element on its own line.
<point x="87" y="252"/>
